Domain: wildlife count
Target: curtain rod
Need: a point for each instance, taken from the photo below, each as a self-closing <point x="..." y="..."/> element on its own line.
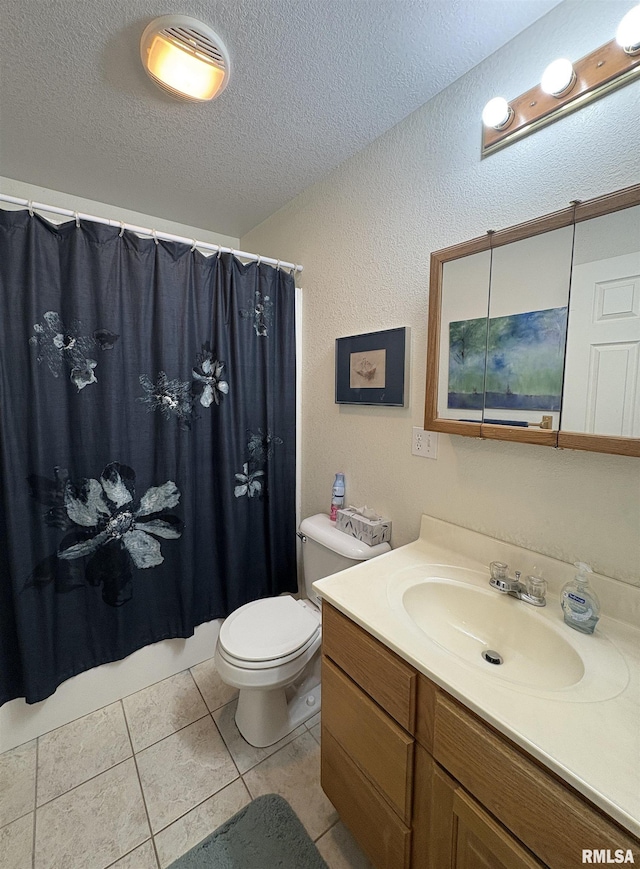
<point x="141" y="230"/>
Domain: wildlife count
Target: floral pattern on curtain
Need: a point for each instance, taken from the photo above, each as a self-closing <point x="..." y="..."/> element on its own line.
<point x="147" y="444"/>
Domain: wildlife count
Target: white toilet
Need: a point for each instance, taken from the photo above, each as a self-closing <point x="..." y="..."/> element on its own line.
<point x="270" y="648"/>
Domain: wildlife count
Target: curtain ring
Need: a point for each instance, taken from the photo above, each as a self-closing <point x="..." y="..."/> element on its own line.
<point x="155" y="236"/>
<point x="77" y="217"/>
<point x="259" y="259"/>
<point x="193" y="246"/>
<point x="121" y="233"/>
<point x="278" y="265"/>
<point x="31" y="208"/>
<point x="233" y="253"/>
<point x="219" y="253"/>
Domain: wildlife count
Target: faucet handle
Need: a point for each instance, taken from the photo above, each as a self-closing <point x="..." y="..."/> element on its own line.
<point x="499" y="570"/>
<point x="500" y="579"/>
<point x="536" y="589"/>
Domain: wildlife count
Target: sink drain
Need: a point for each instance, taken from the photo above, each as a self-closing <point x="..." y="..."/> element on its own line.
<point x="492" y="657"/>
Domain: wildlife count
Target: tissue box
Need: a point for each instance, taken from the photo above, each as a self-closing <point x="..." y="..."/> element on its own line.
<point x="367" y="530"/>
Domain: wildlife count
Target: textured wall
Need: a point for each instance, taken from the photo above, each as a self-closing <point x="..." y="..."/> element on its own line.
<point x="23" y="190"/>
<point x="364" y="235"/>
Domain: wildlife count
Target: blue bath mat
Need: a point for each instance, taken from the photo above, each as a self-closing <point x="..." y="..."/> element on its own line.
<point x="266" y="834"/>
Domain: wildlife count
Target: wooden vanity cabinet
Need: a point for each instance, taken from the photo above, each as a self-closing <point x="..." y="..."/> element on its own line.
<point x="367" y="756"/>
<point x="451" y="829"/>
<point x="423" y="783"/>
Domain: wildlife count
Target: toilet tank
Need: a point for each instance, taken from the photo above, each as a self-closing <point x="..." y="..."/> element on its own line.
<point x="325" y="550"/>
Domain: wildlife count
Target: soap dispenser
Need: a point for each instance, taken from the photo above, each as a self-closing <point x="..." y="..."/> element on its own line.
<point x="580" y="605"/>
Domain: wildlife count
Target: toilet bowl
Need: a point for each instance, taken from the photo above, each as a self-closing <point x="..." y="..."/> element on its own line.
<point x="270" y="648"/>
<point x="264" y="649"/>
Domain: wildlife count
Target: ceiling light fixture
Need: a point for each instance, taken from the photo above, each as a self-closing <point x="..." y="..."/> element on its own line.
<point x="185" y="57"/>
<point x="628" y="32"/>
<point x="565" y="87"/>
<point x="558" y="78"/>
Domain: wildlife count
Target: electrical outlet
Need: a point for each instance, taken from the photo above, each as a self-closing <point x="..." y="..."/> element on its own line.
<point x="424" y="443"/>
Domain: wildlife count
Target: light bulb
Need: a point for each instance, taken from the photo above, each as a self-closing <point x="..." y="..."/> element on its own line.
<point x="497" y="113"/>
<point x="628" y="32"/>
<point x="558" y="78"/>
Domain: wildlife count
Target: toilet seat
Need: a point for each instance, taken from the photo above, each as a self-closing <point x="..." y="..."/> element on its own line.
<point x="268" y="632"/>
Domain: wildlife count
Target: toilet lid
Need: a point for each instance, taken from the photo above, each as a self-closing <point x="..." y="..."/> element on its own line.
<point x="266" y="629"/>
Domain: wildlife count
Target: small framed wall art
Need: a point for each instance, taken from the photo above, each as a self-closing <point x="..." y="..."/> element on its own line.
<point x="370" y="368"/>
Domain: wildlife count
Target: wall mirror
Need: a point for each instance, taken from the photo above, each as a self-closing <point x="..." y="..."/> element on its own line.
<point x="534" y="330"/>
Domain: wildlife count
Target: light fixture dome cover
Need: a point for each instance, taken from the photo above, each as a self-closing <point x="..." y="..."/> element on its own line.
<point x="628" y="33"/>
<point x="558" y="78"/>
<point x="497" y="113"/>
<point x="197" y="45"/>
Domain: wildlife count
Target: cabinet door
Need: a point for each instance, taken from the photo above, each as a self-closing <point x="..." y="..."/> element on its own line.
<point x="453" y="831"/>
<point x="479" y="842"/>
<point x="540" y="811"/>
<point x="382" y="749"/>
<point x="375" y="826"/>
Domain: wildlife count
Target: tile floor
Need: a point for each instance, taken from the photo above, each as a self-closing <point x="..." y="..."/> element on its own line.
<point x="137" y="783"/>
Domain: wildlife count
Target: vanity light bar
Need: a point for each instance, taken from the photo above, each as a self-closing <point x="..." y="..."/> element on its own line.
<point x="609" y="67"/>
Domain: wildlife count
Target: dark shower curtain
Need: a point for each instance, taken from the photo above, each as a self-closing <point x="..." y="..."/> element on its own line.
<point x="147" y="444"/>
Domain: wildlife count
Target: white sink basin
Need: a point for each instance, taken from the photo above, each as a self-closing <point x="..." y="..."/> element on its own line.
<point x="456" y="609"/>
<point x="467" y="621"/>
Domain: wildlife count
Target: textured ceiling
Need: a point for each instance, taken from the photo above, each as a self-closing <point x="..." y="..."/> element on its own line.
<point x="312" y="82"/>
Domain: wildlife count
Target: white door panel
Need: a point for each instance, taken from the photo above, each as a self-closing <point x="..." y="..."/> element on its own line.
<point x="602" y="373"/>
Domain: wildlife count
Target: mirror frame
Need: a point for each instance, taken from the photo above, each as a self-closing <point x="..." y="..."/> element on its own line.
<point x="575" y="213"/>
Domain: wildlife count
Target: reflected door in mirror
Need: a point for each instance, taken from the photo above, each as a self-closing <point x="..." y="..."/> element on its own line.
<point x="602" y="394"/>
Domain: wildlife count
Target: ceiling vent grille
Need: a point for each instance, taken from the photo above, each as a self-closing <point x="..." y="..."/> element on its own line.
<point x="169" y="39"/>
<point x="197" y="43"/>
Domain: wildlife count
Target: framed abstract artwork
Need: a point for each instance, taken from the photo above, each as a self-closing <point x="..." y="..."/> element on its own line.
<point x="518" y="365"/>
<point x="370" y="368"/>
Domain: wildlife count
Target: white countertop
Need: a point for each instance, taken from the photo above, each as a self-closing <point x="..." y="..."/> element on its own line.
<point x="593" y="745"/>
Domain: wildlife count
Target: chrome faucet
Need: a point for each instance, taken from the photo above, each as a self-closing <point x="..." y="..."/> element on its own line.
<point x="532" y="591"/>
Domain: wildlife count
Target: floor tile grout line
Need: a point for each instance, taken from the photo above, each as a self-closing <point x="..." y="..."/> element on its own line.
<point x="144" y="801"/>
<point x="73" y="720"/>
<point x="117" y="860"/>
<point x="60" y="726"/>
<point x="113" y="702"/>
<point x="35" y="808"/>
<point x="162" y="738"/>
<point x="275" y="751"/>
<point x="330" y="827"/>
<point x="239" y="777"/>
<point x="91" y="777"/>
<point x="247" y="788"/>
<point x="202" y="695"/>
<point x="152" y="835"/>
<point x="110" y="703"/>
<point x="193" y="679"/>
<point x="120" y="762"/>
<point x="269" y="756"/>
<point x="249" y="791"/>
<point x="133" y="757"/>
<point x="13" y="820"/>
<point x="224" y="742"/>
<point x="201" y="803"/>
<point x="86" y="781"/>
<point x="138" y="750"/>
